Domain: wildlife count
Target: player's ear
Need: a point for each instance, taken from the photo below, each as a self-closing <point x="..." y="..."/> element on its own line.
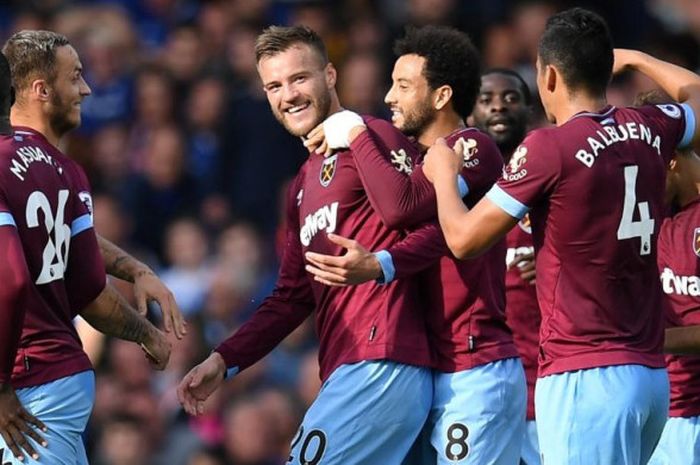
<point x="551" y="76"/>
<point x="40" y="90"/>
<point x="442" y="96"/>
<point x="331" y="75"/>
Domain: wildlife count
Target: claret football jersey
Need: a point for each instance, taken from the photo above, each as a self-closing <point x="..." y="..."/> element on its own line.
<point x="466" y="298"/>
<point x="679" y="268"/>
<point x="522" y="312"/>
<point x="594" y="190"/>
<point x="365" y="322"/>
<point x="46" y="196"/>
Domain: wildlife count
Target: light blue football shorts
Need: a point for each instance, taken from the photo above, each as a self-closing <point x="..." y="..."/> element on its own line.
<point x="64" y="405"/>
<point x="530" y="454"/>
<point x="477" y="417"/>
<point x="680" y="443"/>
<point x="367" y="413"/>
<point x="609" y="416"/>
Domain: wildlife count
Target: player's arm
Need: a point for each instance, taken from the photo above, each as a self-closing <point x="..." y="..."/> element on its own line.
<point x="147" y="286"/>
<point x="681" y="84"/>
<point x="417" y="251"/>
<point x="291" y="302"/>
<point x="400" y="200"/>
<point x="682" y="340"/>
<point x="468" y="233"/>
<point x="15" y="422"/>
<point x="112" y="315"/>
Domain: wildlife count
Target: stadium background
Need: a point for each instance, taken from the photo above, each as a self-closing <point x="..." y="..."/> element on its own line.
<point x="188" y="165"/>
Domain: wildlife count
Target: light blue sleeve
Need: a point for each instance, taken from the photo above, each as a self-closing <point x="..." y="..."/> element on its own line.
<point x="81" y="224"/>
<point x="387" y="264"/>
<point x="690" y="123"/>
<point x="462" y="185"/>
<point x="507" y="203"/>
<point x="6" y="219"/>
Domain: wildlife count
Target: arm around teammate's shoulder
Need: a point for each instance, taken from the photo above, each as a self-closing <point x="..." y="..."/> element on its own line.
<point x="681" y="84"/>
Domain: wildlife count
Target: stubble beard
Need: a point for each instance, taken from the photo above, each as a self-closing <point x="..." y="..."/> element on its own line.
<point x="59" y="118"/>
<point x="416" y="121"/>
<point x="322" y="106"/>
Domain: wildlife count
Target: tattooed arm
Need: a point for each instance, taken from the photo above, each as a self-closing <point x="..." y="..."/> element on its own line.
<point x="147" y="286"/>
<point x="112" y="315"/>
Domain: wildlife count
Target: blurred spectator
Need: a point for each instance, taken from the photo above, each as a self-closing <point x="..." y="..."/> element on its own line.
<point x="188" y="273"/>
<point x="110" y="165"/>
<point x="123" y="442"/>
<point x="207" y="456"/>
<point x="248" y="433"/>
<point x="361" y="85"/>
<point x="203" y="112"/>
<point x="163" y="191"/>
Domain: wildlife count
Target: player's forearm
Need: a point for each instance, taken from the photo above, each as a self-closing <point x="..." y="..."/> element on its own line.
<point x="684" y="340"/>
<point x="112" y="315"/>
<point x="119" y="263"/>
<point x="271" y="323"/>
<point x="400" y="199"/>
<point x="421" y="249"/>
<point x="452" y="214"/>
<point x="680" y="83"/>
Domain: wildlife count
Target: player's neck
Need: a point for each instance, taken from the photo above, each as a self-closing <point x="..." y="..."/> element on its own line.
<point x="444" y="124"/>
<point x="20" y="116"/>
<point x="578" y="103"/>
<point x="5" y="126"/>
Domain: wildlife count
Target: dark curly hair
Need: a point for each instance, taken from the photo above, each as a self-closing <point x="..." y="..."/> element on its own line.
<point x="578" y="43"/>
<point x="450" y="59"/>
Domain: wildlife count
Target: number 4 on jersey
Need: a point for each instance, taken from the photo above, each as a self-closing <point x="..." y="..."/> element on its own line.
<point x="55" y="255"/>
<point x="628" y="228"/>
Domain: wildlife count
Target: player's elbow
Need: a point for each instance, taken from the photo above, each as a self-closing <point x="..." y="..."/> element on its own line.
<point x="460" y="247"/>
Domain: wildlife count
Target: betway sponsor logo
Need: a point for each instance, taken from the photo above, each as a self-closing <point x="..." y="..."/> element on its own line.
<point x="323" y="219"/>
<point x="681" y="285"/>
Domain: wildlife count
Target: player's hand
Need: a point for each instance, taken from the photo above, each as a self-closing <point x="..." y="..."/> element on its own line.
<point x="147" y="287"/>
<point x="200" y="382"/>
<point x="157" y="349"/>
<point x="315" y="141"/>
<point x="441" y="162"/>
<point x="624" y="59"/>
<point x="526" y="265"/>
<point x="356" y="266"/>
<point x="16" y="424"/>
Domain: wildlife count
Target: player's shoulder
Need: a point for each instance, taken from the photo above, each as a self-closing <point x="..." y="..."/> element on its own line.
<point x="469" y="133"/>
<point x="381" y="127"/>
<point x="543" y="138"/>
<point x="389" y="135"/>
<point x="671" y="110"/>
<point x="473" y="138"/>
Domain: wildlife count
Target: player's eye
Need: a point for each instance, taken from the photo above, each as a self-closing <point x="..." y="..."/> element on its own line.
<point x="512" y="98"/>
<point x="484" y="100"/>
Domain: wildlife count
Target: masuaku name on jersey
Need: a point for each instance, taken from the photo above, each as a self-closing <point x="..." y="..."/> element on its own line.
<point x="25" y="156"/>
<point x="613" y="134"/>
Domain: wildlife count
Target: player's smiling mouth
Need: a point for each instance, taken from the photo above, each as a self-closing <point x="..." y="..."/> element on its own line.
<point x="297" y="108"/>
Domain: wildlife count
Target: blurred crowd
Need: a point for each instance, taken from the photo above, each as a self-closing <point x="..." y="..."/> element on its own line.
<point x="189" y="166"/>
